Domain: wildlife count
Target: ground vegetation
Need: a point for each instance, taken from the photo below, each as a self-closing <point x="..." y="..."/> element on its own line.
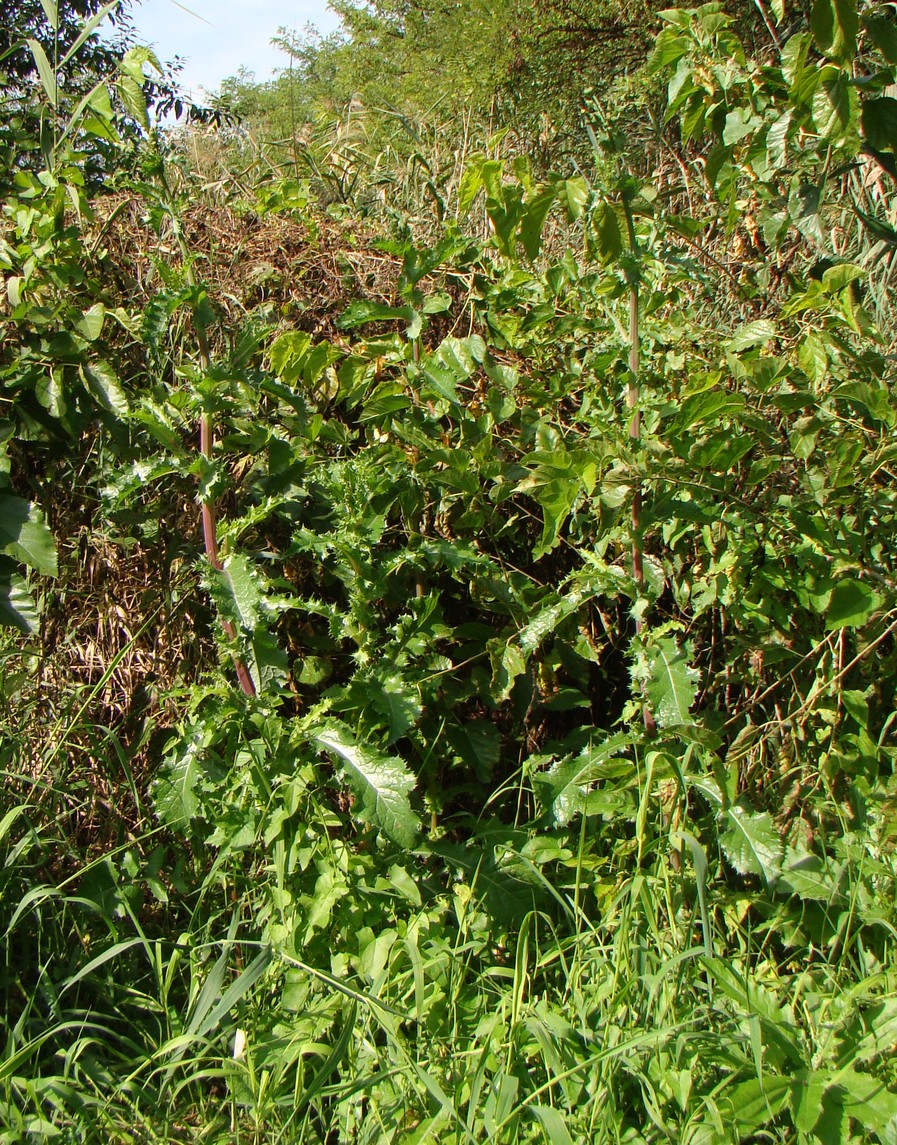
<point x="447" y="562"/>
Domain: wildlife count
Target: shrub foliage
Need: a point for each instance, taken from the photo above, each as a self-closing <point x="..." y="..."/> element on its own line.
<point x="448" y="690"/>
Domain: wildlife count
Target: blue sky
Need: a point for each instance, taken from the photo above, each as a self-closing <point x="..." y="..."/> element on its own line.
<point x="229" y="34"/>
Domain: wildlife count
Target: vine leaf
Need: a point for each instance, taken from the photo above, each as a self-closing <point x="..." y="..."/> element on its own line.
<point x="25" y="536"/>
<point x="381" y="783"/>
<point x="17" y="606"/>
<point x="851" y="605"/>
<point x="834" y="26"/>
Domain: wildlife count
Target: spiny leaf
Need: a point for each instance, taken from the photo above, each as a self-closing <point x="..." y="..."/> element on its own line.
<point x="399" y="703"/>
<point x="546" y="621"/>
<point x="564" y="789"/>
<point x="670" y="683"/>
<point x="243" y="591"/>
<point x="507" y="664"/>
<point x="751" y="843"/>
<point x="382" y="783"/>
<point x="101" y="381"/>
<point x="174" y="797"/>
<point x="478" y="743"/>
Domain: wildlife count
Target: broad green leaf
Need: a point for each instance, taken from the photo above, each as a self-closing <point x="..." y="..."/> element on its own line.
<point x="24" y="535"/>
<point x="361" y="312"/>
<point x="438" y="303"/>
<point x="834" y="26"/>
<point x="752" y="843"/>
<point x="91" y="321"/>
<point x="243" y="590"/>
<point x="879" y="122"/>
<point x="883" y="33"/>
<point x="130" y="92"/>
<point x="871" y="1035"/>
<point x="135" y="60"/>
<point x="533" y="222"/>
<point x="870" y="1103"/>
<point x="443" y="381"/>
<point x="709" y="406"/>
<point x="755" y="1103"/>
<point x="556" y="499"/>
<point x="473" y="181"/>
<point x="851" y="605"/>
<point x="753" y="334"/>
<point x="836" y="109"/>
<point x="837" y="278"/>
<point x="608" y="235"/>
<point x="381" y="783"/>
<point x="777" y="141"/>
<point x="269" y="667"/>
<point x="175" y="795"/>
<point x="740" y="122"/>
<point x="807" y="1092"/>
<point x="813" y="358"/>
<point x="17" y="607"/>
<point x="574" y="194"/>
<point x="461" y="356"/>
<point x="810" y="877"/>
<point x="101" y="381"/>
<point x="670" y="683"/>
<point x="288" y="353"/>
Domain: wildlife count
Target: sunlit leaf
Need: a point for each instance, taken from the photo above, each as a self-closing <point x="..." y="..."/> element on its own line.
<point x="381" y="783"/>
<point x="834" y="25"/>
<point x="670" y="683"/>
<point x="752" y="843"/>
<point x="24" y="535"/>
<point x="851" y="605"/>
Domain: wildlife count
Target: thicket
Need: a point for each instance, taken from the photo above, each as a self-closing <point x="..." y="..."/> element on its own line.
<point x="449" y="685"/>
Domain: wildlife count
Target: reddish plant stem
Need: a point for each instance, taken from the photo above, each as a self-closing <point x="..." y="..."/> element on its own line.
<point x="209" y="528"/>
<point x="635" y="433"/>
